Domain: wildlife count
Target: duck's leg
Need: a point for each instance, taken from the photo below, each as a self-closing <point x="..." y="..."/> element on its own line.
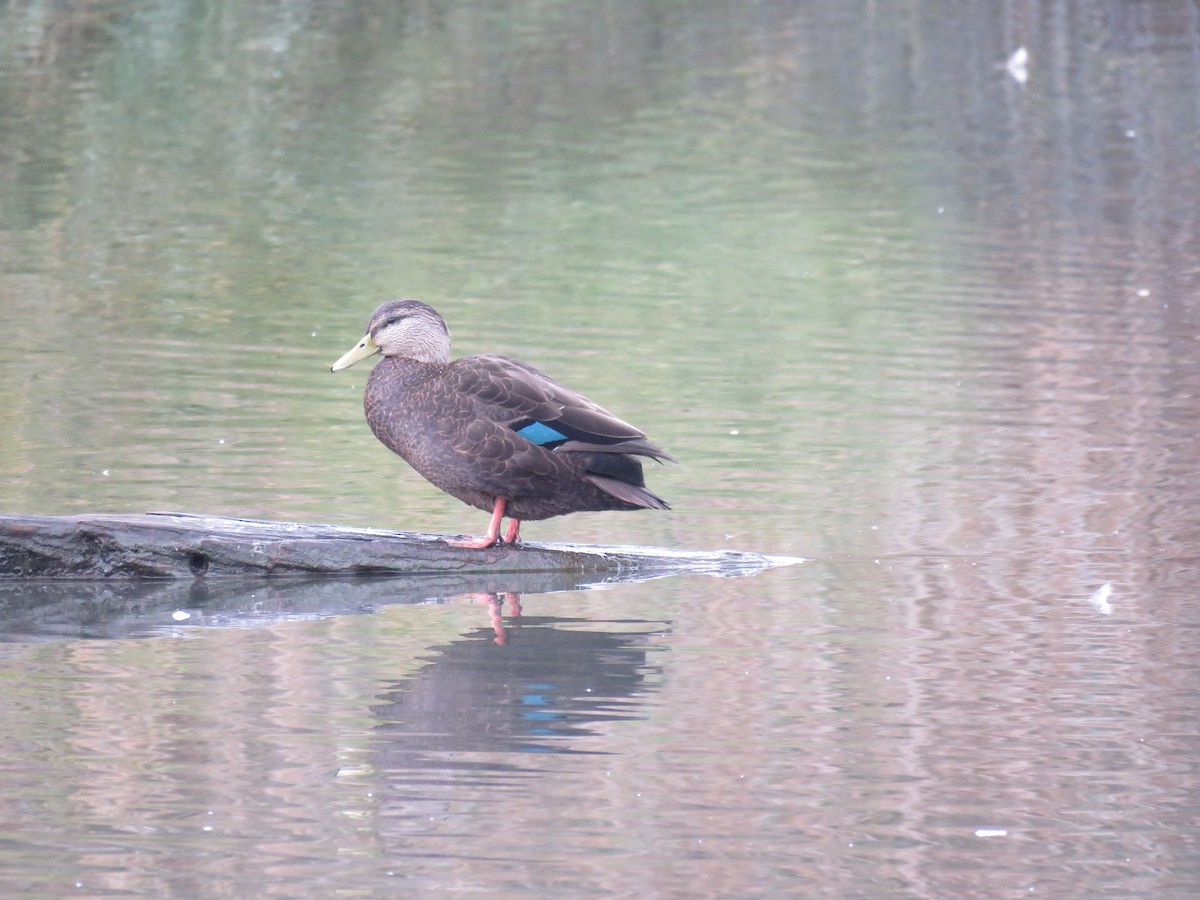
<point x="514" y="531"/>
<point x="493" y="532"/>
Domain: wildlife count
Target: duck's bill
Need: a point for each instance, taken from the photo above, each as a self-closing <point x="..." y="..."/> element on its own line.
<point x="364" y="348"/>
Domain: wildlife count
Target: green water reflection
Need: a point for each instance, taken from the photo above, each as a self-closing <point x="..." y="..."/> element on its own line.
<point x="808" y="249"/>
<point x="217" y="200"/>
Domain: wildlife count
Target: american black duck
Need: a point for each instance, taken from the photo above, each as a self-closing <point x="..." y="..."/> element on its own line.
<point x="496" y="433"/>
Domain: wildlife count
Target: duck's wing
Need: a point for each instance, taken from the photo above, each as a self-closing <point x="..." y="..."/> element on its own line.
<point x="542" y="410"/>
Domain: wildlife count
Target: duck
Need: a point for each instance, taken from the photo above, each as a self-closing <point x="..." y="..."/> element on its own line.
<point x="494" y="432"/>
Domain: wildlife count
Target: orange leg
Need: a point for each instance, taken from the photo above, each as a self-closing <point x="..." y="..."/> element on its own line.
<point x="514" y="531"/>
<point x="493" y="532"/>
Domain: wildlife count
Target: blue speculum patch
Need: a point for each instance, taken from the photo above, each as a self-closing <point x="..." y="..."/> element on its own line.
<point x="540" y="434"/>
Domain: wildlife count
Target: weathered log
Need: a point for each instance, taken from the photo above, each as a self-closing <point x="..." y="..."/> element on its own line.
<point x="180" y="545"/>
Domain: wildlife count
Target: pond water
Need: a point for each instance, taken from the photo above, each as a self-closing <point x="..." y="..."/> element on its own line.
<point x="932" y="327"/>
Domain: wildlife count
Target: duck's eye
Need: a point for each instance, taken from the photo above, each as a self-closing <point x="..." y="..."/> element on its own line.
<point x="389" y="321"/>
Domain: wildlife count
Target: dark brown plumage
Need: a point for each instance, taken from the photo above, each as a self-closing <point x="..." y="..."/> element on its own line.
<point x="496" y="433"/>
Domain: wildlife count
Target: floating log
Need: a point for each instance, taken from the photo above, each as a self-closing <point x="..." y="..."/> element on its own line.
<point x="181" y="545"/>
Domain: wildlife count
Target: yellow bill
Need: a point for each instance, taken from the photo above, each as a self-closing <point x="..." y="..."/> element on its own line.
<point x="360" y="351"/>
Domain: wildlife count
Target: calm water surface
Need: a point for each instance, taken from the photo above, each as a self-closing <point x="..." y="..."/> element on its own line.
<point x="932" y="328"/>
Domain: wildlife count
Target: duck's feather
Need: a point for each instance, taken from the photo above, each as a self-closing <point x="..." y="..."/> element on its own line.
<point x="630" y="493"/>
<point x="542" y="410"/>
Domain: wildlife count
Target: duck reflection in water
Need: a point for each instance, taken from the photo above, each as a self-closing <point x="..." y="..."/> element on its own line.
<point x="495" y="602"/>
<point x="538" y="687"/>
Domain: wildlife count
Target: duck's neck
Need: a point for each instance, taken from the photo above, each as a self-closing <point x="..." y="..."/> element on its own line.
<point x="405" y="372"/>
<point x="429" y="346"/>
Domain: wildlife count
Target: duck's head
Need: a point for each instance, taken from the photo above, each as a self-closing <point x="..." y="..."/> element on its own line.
<point x="407" y="328"/>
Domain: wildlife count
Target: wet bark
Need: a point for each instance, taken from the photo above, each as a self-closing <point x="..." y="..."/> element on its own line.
<point x="180" y="545"/>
